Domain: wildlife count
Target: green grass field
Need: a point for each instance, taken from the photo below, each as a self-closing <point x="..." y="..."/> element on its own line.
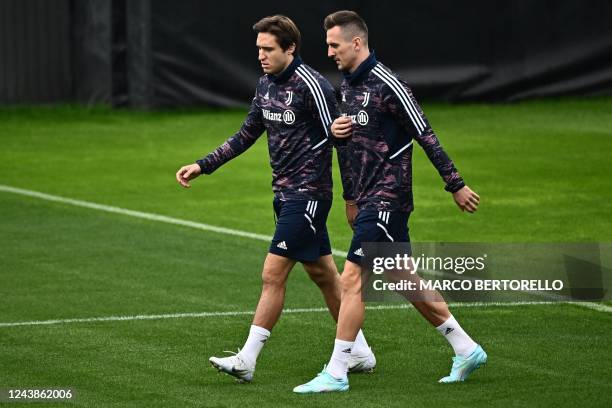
<point x="542" y="170"/>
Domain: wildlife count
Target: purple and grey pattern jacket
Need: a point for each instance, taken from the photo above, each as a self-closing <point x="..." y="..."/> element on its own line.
<point x="376" y="161"/>
<point x="296" y="108"/>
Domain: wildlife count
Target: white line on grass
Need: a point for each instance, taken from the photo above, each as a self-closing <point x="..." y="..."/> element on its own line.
<point x="600" y="307"/>
<point x="197" y="225"/>
<point x="143" y="215"/>
<point x="247" y="313"/>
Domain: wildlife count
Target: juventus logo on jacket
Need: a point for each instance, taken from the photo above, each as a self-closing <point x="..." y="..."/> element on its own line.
<point x="366" y="99"/>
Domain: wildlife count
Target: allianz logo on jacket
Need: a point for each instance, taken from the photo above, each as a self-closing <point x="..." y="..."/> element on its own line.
<point x="361" y="117"/>
<point x="288" y="117"/>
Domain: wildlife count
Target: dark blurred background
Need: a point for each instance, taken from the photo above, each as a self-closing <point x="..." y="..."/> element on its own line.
<point x="158" y="53"/>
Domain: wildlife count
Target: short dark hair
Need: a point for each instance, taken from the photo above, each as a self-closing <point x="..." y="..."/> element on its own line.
<point x="285" y="30"/>
<point x="349" y="21"/>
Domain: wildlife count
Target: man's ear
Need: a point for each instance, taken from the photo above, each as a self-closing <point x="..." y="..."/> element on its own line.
<point x="357" y="43"/>
<point x="291" y="49"/>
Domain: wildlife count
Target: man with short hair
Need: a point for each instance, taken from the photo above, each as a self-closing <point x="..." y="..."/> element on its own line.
<point x="383" y="119"/>
<point x="296" y="106"/>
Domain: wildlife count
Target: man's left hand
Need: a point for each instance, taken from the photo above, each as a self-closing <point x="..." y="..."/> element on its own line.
<point x="466" y="199"/>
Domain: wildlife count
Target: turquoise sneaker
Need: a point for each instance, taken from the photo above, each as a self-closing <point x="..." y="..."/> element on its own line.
<point x="323" y="382"/>
<point x="463" y="366"/>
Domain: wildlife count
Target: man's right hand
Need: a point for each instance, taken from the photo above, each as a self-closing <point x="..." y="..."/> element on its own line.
<point x="342" y="127"/>
<point x="187" y="173"/>
<point x="351" y="212"/>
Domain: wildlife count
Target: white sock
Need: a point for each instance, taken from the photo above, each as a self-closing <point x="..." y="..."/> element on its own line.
<point x="360" y="348"/>
<point x="457" y="337"/>
<point x="338" y="364"/>
<point x="254" y="343"/>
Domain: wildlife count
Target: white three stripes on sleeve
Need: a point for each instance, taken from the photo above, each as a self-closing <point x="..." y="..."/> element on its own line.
<point x="319" y="98"/>
<point x="403" y="96"/>
<point x="317" y="91"/>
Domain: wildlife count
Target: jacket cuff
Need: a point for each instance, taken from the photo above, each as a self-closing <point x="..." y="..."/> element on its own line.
<point x="204" y="167"/>
<point x="455" y="186"/>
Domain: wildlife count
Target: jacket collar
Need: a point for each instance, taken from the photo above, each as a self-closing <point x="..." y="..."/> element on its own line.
<point x="287" y="72"/>
<point x="362" y="70"/>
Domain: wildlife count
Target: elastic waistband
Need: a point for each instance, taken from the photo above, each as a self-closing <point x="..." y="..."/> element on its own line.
<point x="302" y="195"/>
